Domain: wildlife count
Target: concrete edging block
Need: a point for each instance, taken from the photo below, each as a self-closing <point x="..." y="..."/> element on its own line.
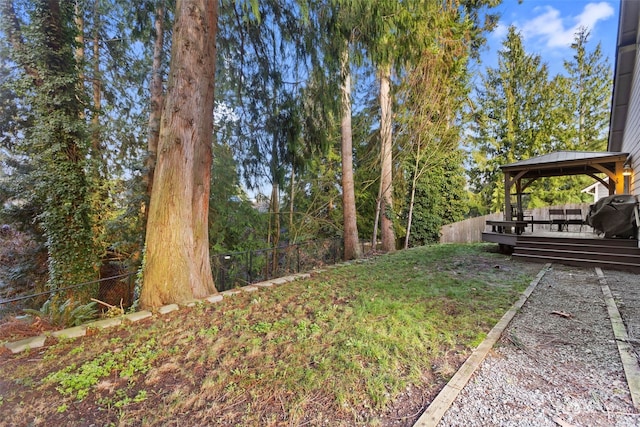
<point x="105" y="323"/>
<point x="137" y="316"/>
<point x="214" y="298"/>
<point x="79" y="331"/>
<point x="75" y="332"/>
<point x="265" y="284"/>
<point x="168" y="308"/>
<point x="26" y="344"/>
<point x="192" y="303"/>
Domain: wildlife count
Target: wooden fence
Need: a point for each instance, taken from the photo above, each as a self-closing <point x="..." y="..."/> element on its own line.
<point x="470" y="230"/>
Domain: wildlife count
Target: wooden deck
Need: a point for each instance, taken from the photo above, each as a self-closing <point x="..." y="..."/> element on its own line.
<point x="572" y="247"/>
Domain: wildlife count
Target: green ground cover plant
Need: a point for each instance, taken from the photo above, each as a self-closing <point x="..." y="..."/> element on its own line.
<point x="363" y="344"/>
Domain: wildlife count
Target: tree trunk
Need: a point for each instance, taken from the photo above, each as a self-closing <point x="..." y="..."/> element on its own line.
<point x="352" y="248"/>
<point x="386" y="177"/>
<point x="176" y="265"/>
<point x="57" y="146"/>
<point x="292" y="194"/>
<point x="157" y="98"/>
<point x="79" y="52"/>
<point x="376" y="221"/>
<point x="96" y="140"/>
<point x="414" y="183"/>
<point x="275" y="210"/>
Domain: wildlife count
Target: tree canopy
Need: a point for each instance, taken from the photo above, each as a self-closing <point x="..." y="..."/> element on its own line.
<point x="270" y="122"/>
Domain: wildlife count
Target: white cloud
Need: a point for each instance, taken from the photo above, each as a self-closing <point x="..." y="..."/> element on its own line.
<point x="555" y="31"/>
<point x="500" y="31"/>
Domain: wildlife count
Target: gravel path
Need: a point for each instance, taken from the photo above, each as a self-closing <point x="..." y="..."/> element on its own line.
<point x="557" y="363"/>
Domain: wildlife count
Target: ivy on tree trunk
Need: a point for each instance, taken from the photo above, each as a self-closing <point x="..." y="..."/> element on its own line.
<point x="57" y="143"/>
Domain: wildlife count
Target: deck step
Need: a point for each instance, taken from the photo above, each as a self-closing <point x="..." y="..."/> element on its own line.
<point x="577" y="253"/>
<point x="632" y="243"/>
<point x="570" y="247"/>
<point x="580" y="262"/>
<point x="619" y="254"/>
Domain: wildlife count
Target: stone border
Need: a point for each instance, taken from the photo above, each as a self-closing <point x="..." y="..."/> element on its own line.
<point x="627" y="354"/>
<point x="79" y="331"/>
<point x="439" y="406"/>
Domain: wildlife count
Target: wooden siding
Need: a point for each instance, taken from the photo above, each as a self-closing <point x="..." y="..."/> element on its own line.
<point x="631" y="138"/>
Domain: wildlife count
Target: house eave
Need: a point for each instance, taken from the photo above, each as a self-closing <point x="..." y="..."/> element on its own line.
<point x="626" y="51"/>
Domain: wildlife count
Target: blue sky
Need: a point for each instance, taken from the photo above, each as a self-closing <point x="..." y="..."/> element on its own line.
<point x="548" y="28"/>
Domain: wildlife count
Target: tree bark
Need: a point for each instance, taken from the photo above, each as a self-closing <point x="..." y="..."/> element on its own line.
<point x="386" y="174"/>
<point x="414" y="183"/>
<point x="275" y="231"/>
<point x="376" y="221"/>
<point x="96" y="138"/>
<point x="352" y="248"/>
<point x="292" y="194"/>
<point x="157" y="97"/>
<point x="176" y="265"/>
<point x="79" y="52"/>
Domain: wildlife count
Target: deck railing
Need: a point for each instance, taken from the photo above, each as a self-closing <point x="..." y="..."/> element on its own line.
<point x="470" y="230"/>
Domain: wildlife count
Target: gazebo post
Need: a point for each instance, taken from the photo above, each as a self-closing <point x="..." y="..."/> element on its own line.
<point x="519" y="199"/>
<point x="507" y="196"/>
<point x="619" y="178"/>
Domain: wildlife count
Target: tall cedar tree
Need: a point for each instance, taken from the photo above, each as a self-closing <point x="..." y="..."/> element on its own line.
<point x="176" y="264"/>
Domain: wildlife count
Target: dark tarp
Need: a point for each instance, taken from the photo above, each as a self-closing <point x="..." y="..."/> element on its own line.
<point x="615" y="216"/>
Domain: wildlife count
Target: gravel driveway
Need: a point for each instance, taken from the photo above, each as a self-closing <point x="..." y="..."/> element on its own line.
<point x="557" y="363"/>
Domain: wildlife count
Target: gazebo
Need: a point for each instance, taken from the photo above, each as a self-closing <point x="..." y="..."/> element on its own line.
<point x="612" y="169"/>
<point x="520" y="175"/>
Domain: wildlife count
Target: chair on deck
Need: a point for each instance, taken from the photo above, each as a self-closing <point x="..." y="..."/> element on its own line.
<point x="558" y="217"/>
<point x="574" y="217"/>
<point x="522" y="216"/>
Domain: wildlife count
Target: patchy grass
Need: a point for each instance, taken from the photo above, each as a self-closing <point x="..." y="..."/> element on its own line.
<point x="364" y="344"/>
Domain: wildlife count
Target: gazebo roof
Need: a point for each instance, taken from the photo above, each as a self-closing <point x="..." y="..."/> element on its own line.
<point x="564" y="163"/>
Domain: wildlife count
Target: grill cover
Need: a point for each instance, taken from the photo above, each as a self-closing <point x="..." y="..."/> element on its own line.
<point x="614" y="216"/>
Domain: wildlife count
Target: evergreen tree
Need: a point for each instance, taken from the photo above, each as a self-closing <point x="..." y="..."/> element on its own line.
<point x="234" y="223"/>
<point x="57" y="142"/>
<point x="522" y="113"/>
<point x="440" y="198"/>
<point x="514" y="119"/>
<point x="261" y="52"/>
<point x="588" y="80"/>
<point x="431" y="98"/>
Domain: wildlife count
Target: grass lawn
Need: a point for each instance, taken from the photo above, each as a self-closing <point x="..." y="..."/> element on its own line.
<point x="364" y="344"/>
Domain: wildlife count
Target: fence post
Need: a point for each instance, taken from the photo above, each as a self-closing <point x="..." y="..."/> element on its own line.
<point x="225" y="258"/>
